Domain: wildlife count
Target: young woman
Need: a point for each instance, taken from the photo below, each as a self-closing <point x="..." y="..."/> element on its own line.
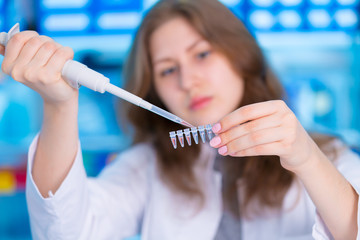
<point x="261" y="177"/>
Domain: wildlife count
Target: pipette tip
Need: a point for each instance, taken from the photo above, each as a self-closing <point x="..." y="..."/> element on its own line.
<point x="186" y="124"/>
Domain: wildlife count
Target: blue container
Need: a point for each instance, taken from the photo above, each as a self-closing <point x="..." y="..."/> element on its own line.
<point x="66" y="23"/>
<point x="123" y="5"/>
<point x="321" y="3"/>
<point x="290" y="19"/>
<point x="261" y="20"/>
<point x="117" y="22"/>
<point x="347" y="3"/>
<point x="346" y="19"/>
<point x="64" y="17"/>
<point x="2" y="22"/>
<point x="2" y="16"/>
<point x="63" y="4"/>
<point x="319" y="19"/>
<point x="263" y="3"/>
<point x="292" y="3"/>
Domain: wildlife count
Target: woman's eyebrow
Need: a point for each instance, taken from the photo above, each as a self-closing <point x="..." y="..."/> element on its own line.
<point x="161" y="60"/>
<point x="191" y="46"/>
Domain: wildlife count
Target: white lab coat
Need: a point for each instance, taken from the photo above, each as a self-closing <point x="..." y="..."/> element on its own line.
<point x="129" y="198"/>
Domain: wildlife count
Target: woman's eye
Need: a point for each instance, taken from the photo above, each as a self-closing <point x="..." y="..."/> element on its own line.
<point x="203" y="54"/>
<point x="168" y="71"/>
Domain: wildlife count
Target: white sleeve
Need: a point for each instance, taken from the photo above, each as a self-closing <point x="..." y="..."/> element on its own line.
<point x="348" y="163"/>
<point x="107" y="207"/>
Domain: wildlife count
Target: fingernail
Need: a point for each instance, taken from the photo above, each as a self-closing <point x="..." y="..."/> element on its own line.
<point x="216" y="128"/>
<point x="222" y="150"/>
<point x="215" y="141"/>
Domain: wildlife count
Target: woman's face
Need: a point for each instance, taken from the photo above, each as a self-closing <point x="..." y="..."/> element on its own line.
<point x="193" y="80"/>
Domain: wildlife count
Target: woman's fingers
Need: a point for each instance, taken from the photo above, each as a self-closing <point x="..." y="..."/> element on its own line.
<point x="35" y="71"/>
<point x="45" y="68"/>
<point x="248" y="113"/>
<point x="254" y="126"/>
<point x="30" y="48"/>
<point x="13" y="49"/>
<point x="21" y="68"/>
<point x="37" y="62"/>
<point x="268" y="128"/>
<point x="58" y="59"/>
<point x="44" y="53"/>
<point x="223" y="138"/>
<point x="267" y="149"/>
<point x="253" y="139"/>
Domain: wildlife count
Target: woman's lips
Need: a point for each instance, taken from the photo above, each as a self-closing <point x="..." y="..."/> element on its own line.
<point x="200" y="102"/>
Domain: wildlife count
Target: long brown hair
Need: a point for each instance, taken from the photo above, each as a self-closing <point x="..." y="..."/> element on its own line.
<point x="263" y="177"/>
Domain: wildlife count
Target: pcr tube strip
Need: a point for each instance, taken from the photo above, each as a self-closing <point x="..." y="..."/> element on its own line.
<point x="203" y="131"/>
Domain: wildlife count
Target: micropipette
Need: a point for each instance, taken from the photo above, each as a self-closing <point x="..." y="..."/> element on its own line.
<point x="77" y="74"/>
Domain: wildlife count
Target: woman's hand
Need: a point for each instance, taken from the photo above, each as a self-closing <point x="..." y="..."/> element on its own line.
<point x="266" y="128"/>
<point x="37" y="61"/>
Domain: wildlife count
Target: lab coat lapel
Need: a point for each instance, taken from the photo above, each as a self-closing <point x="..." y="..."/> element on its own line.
<point x="167" y="215"/>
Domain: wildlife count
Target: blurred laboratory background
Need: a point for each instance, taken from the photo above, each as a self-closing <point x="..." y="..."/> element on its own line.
<point x="313" y="46"/>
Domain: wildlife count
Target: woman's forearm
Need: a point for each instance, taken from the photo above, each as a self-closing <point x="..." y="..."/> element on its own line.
<point x="335" y="199"/>
<point x="57" y="146"/>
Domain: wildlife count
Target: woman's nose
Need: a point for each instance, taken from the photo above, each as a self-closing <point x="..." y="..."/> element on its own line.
<point x="188" y="78"/>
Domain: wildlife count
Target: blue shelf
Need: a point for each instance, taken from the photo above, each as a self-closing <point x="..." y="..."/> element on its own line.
<point x="54" y="5"/>
<point x="124" y="16"/>
<point x="122" y="5"/>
